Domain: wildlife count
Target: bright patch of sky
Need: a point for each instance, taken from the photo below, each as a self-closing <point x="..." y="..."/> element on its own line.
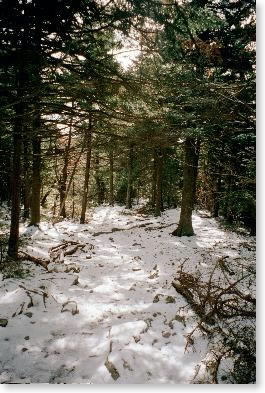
<point x="126" y="58"/>
<point x="128" y="52"/>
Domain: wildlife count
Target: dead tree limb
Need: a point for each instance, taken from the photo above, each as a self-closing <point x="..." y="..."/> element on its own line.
<point x="38" y="261"/>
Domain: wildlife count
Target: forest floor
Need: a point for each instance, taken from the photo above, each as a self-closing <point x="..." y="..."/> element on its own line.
<point x="108" y="313"/>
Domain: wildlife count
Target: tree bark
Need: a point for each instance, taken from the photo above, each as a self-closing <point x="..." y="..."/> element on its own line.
<point x="111" y="187"/>
<point x="129" y="178"/>
<point x="154" y="177"/>
<point x="88" y="137"/>
<point x="158" y="195"/>
<point x="62" y="190"/>
<point x="54" y="205"/>
<point x="70" y="181"/>
<point x="26" y="175"/>
<point x="73" y="200"/>
<point x="227" y="208"/>
<point x="44" y="198"/>
<point x="99" y="181"/>
<point x="216" y="194"/>
<point x="189" y="175"/>
<point x="36" y="176"/>
<point x="16" y="182"/>
<point x="64" y="175"/>
<point x="195" y="166"/>
<point x="22" y="75"/>
<point x="35" y="83"/>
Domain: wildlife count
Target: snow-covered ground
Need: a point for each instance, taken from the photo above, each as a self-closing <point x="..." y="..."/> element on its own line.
<point x="116" y="318"/>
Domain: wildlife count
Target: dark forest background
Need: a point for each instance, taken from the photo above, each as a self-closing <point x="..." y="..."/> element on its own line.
<point x="176" y="128"/>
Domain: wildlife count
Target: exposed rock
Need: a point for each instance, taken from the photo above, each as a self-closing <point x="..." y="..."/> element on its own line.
<point x="180" y="319"/>
<point x="170" y="299"/>
<point x="3" y="322"/>
<point x="157" y="298"/>
<point x="76" y="281"/>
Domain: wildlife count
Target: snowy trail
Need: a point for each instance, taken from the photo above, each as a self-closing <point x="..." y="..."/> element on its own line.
<point x="118" y="320"/>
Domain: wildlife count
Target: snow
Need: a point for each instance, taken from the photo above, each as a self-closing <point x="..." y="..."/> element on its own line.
<point x="122" y="321"/>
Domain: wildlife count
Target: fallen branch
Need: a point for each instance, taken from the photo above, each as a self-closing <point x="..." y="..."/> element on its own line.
<point x="38" y="261"/>
<point x="160" y="227"/>
<point x="109" y="365"/>
<point x="63" y="245"/>
<point x="74" y="249"/>
<point x="40" y="293"/>
<point x="22" y="305"/>
<point x="58" y="252"/>
<point x="199" y="309"/>
<point x="226" y="314"/>
<point x="73" y="310"/>
<point x="120" y="229"/>
<point x="55" y="253"/>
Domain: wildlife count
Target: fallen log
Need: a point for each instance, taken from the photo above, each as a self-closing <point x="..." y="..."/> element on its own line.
<point x="57" y="252"/>
<point x="120" y="229"/>
<point x="38" y="261"/>
<point x="63" y="245"/>
<point x="72" y="250"/>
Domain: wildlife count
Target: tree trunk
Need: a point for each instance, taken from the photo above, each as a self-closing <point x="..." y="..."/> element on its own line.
<point x="218" y="177"/>
<point x="154" y="177"/>
<point x="62" y="190"/>
<point x="88" y="137"/>
<point x="70" y="181"/>
<point x="129" y="178"/>
<point x="158" y="195"/>
<point x="195" y="166"/>
<point x="111" y="188"/>
<point x="16" y="182"/>
<point x="99" y="182"/>
<point x="73" y="200"/>
<point x="36" y="177"/>
<point x="54" y="205"/>
<point x="216" y="195"/>
<point x="64" y="175"/>
<point x="138" y="186"/>
<point x="26" y="175"/>
<point x="62" y="184"/>
<point x="189" y="174"/>
<point x="35" y="83"/>
<point x="251" y="221"/>
<point x="227" y="204"/>
<point x="18" y="130"/>
<point x="71" y="178"/>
